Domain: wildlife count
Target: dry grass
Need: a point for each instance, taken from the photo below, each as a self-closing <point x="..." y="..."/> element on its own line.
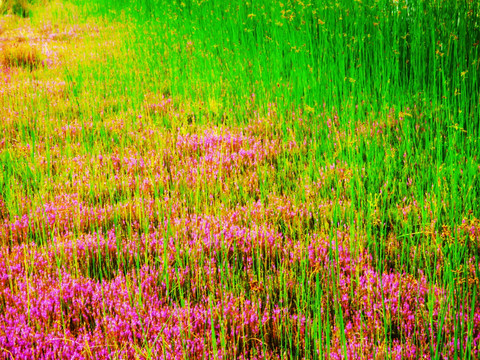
<point x="21" y="54"/>
<point x="18" y="7"/>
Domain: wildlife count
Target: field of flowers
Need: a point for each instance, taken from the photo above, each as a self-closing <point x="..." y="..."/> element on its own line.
<point x="212" y="179"/>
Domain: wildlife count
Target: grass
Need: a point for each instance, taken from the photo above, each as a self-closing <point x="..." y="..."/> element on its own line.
<point x="18" y="7"/>
<point x="212" y="179"/>
<point x="22" y="55"/>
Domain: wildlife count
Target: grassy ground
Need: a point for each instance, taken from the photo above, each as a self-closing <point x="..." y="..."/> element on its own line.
<point x="240" y="180"/>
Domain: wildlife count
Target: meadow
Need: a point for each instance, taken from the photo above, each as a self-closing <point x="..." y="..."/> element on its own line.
<point x="261" y="179"/>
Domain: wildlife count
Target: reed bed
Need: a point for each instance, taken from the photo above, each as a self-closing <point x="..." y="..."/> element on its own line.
<point x="240" y="180"/>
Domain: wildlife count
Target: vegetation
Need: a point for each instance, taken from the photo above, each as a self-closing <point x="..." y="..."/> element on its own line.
<point x="241" y="179"/>
<point x="18" y="7"/>
<point x="23" y="55"/>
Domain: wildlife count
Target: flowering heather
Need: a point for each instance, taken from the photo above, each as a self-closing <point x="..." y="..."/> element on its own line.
<point x="236" y="180"/>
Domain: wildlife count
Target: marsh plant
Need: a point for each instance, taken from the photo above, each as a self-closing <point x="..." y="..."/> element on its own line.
<point x="21" y="54"/>
<point x="17" y="7"/>
<point x="243" y="180"/>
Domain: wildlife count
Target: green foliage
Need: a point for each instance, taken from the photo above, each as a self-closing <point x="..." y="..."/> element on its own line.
<point x="319" y="51"/>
